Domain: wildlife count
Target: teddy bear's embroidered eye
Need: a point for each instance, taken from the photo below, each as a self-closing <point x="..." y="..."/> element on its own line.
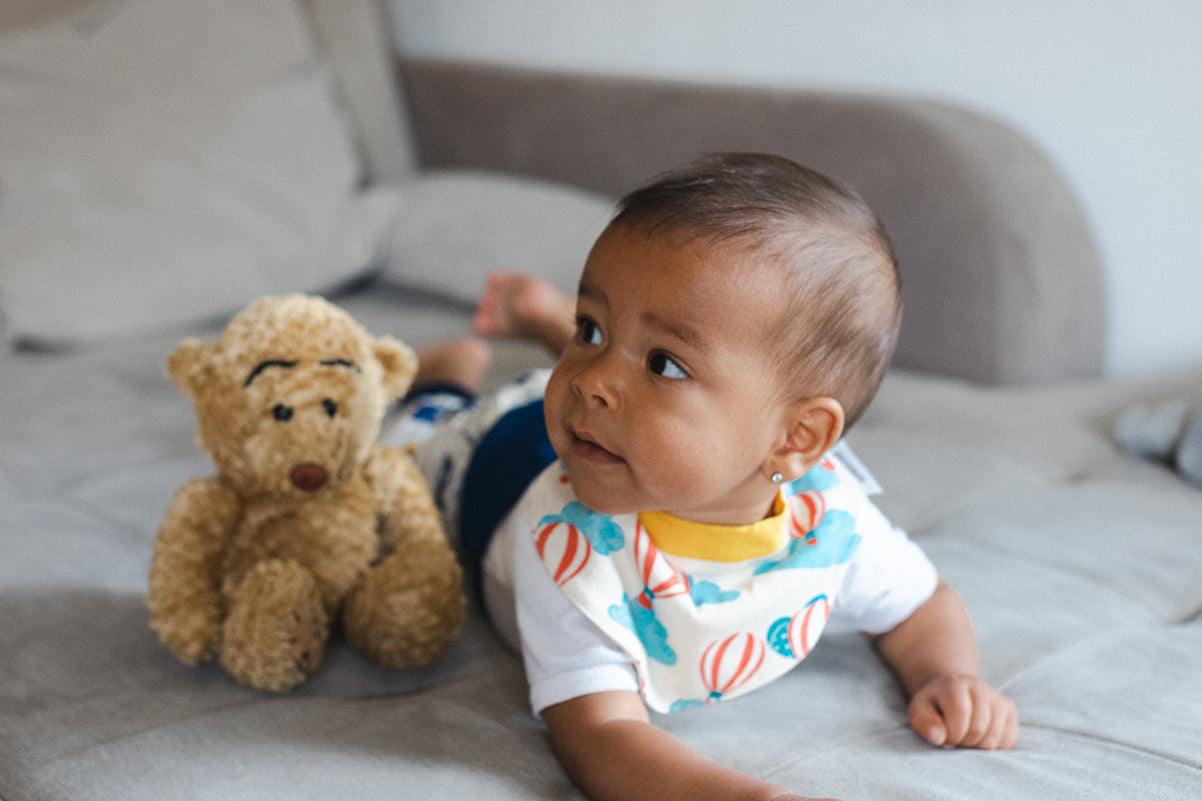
<point x="329" y="407"/>
<point x="282" y="413"/>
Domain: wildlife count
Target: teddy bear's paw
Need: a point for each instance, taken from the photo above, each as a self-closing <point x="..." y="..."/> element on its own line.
<point x="409" y="609"/>
<point x="276" y="627"/>
<point x="305" y="632"/>
<point x="190" y="634"/>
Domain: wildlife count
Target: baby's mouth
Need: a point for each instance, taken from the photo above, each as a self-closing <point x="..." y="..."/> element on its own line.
<point x="587" y="449"/>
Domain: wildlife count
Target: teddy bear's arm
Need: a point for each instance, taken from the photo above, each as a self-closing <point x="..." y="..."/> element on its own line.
<point x="185" y="570"/>
<point x="406" y="508"/>
<point x="409" y="607"/>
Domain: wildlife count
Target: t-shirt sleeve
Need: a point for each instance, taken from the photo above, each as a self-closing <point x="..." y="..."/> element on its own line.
<point x="565" y="653"/>
<point x="889" y="576"/>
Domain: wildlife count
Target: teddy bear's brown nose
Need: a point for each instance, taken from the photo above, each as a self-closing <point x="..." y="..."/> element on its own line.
<point x="308" y="476"/>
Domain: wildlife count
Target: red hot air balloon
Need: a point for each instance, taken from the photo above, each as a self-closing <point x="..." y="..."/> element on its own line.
<point x="727" y="664"/>
<point x="563" y="540"/>
<point x="805" y="514"/>
<point x="806" y="626"/>
<point x="660" y="579"/>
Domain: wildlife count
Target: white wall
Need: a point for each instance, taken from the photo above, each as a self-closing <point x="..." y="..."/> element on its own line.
<point x="1112" y="90"/>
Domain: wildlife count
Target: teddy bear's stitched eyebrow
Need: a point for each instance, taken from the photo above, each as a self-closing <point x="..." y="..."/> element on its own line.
<point x="339" y="363"/>
<point x="261" y="366"/>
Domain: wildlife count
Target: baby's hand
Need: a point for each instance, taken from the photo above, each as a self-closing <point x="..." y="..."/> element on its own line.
<point x="960" y="710"/>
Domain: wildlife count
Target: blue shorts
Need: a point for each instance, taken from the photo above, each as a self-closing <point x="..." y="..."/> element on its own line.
<point x="478" y="456"/>
<point x="510" y="456"/>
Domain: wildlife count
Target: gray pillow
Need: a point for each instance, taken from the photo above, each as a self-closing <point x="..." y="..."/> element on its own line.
<point x="455" y="227"/>
<point x="164" y="161"/>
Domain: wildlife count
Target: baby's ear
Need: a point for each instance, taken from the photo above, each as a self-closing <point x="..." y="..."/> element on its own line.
<point x="400" y="365"/>
<point x="190" y="365"/>
<point x="814" y="426"/>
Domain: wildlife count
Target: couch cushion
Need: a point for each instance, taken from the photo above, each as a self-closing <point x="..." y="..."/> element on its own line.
<point x="1078" y="563"/>
<point x="479" y="222"/>
<point x="165" y="161"/>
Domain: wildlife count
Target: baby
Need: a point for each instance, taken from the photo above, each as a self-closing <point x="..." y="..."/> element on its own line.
<point x="669" y="519"/>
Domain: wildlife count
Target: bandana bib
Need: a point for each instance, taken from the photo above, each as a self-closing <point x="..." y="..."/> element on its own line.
<point x="705" y="612"/>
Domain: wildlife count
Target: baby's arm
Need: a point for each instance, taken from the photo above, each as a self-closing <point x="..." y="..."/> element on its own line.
<point x="934" y="654"/>
<point x="611" y="750"/>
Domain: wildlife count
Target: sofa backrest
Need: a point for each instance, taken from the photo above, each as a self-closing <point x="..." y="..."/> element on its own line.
<point x="1002" y="280"/>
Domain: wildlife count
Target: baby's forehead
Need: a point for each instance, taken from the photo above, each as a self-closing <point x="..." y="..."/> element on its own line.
<point x="722" y="293"/>
<point x="767" y="267"/>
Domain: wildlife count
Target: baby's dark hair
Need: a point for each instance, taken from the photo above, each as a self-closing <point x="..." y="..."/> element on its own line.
<point x="843" y="310"/>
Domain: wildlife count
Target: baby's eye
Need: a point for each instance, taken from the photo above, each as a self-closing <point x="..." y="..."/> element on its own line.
<point x="665" y="365"/>
<point x="587" y="331"/>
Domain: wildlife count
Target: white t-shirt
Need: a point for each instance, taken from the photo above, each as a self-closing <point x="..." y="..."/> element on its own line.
<point x="567" y="655"/>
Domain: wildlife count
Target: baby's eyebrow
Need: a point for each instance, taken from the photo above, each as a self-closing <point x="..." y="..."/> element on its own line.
<point x="263" y="365"/>
<point x="590" y="292"/>
<point x="690" y="335"/>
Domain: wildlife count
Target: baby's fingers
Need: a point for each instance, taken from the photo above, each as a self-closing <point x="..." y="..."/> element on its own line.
<point x="1003" y="729"/>
<point x="964" y="711"/>
<point x="928" y="719"/>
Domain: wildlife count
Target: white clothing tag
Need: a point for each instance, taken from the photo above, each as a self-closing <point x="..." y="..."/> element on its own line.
<point x="843" y="454"/>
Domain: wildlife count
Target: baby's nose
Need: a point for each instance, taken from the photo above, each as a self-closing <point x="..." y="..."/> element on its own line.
<point x="600" y="382"/>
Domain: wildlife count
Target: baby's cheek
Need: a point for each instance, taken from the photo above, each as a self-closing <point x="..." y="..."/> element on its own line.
<point x="675" y="474"/>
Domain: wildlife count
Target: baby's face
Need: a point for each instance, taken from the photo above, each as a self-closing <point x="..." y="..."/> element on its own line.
<point x="667" y="398"/>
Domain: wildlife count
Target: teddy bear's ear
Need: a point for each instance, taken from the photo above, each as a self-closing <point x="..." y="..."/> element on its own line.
<point x="189" y="364"/>
<point x="399" y="363"/>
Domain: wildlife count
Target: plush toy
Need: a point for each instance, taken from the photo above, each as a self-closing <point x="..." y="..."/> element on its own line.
<point x="309" y="521"/>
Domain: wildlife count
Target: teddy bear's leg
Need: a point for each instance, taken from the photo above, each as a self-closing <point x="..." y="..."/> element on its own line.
<point x="275" y="627"/>
<point x="409" y="608"/>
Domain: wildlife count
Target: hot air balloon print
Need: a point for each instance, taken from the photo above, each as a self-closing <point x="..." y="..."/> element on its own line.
<point x="660" y="579"/>
<point x="566" y="541"/>
<point x="834" y="541"/>
<point x="805" y="515"/>
<point x="806" y="626"/>
<point x="564" y="549"/>
<point x="728" y="664"/>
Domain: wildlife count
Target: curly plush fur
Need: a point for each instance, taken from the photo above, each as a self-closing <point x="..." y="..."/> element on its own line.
<point x="309" y="521"/>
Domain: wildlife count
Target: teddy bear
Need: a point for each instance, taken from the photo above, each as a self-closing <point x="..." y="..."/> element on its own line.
<point x="310" y="524"/>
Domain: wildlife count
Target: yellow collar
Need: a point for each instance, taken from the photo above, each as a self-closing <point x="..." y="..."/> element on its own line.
<point x="716" y="543"/>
